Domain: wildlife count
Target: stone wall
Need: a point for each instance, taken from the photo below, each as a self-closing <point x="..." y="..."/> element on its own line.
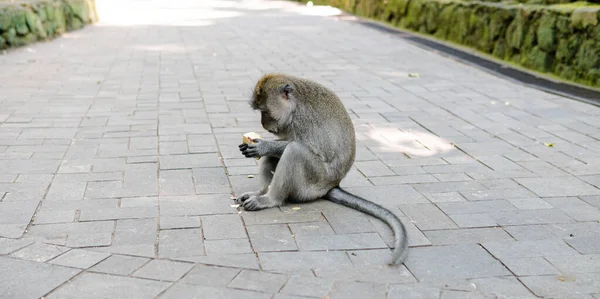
<point x="561" y="40"/>
<point x="25" y="22"/>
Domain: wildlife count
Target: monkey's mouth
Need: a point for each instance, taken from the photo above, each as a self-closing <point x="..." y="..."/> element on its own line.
<point x="272" y="131"/>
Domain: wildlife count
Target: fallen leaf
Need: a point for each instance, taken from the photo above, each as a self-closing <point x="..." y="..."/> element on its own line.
<point x="548" y="144"/>
<point x="296" y="208"/>
<point x="564" y="278"/>
<point x="413" y="75"/>
<point x="250" y="176"/>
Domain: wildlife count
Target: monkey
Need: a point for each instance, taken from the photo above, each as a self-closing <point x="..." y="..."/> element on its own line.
<point x="314" y="149"/>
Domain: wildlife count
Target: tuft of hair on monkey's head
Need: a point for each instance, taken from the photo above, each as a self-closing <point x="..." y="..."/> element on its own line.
<point x="272" y="96"/>
<point x="268" y="84"/>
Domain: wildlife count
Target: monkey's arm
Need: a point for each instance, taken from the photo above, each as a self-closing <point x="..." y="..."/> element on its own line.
<point x="263" y="148"/>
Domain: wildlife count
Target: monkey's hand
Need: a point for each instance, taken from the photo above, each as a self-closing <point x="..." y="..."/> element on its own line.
<point x="263" y="148"/>
<point x="254" y="150"/>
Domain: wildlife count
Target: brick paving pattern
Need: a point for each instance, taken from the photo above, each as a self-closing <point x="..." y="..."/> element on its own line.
<point x="118" y="158"/>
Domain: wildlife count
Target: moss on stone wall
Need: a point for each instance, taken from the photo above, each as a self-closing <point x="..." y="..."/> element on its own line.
<point x="25" y="23"/>
<point x="562" y="40"/>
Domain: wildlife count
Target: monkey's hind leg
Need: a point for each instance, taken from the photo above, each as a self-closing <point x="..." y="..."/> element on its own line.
<point x="297" y="177"/>
<point x="267" y="165"/>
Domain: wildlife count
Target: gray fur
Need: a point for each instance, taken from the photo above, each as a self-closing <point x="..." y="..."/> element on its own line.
<point x="314" y="150"/>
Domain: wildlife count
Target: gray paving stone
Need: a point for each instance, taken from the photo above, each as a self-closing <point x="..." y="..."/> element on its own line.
<point x="226" y="246"/>
<point x="311" y="228"/>
<point x="462" y="236"/>
<point x="180" y="243"/>
<point x="120" y="265"/>
<point x="196" y="205"/>
<point x="46" y="217"/>
<point x="258" y="281"/>
<point x="276" y="216"/>
<point x="374" y="169"/>
<point x="417" y="291"/>
<point x="585" y="245"/>
<point x="62" y="230"/>
<point x="62" y="190"/>
<point x="530" y="266"/>
<point x="106" y="286"/>
<point x="592" y="200"/>
<point x="445" y="197"/>
<point x="367" y="273"/>
<point x="307" y="286"/>
<point x="359" y="290"/>
<point x="78" y="258"/>
<point x="562" y="286"/>
<point x="526" y="217"/>
<point x="9" y="245"/>
<point x="89" y="240"/>
<point x="26" y="279"/>
<point x="237" y="260"/>
<point x="39" y="252"/>
<point x="382" y="194"/>
<point x="210" y="180"/>
<point x="134" y="237"/>
<point x="477" y="207"/>
<point x="294" y="261"/>
<point x="497" y="194"/>
<point x="218" y="227"/>
<point x="592" y="179"/>
<point x="275" y="237"/>
<point x="404" y="179"/>
<point x="558" y="186"/>
<point x="538" y="248"/>
<point x="340" y="242"/>
<point x="575" y="208"/>
<point x="452" y="177"/>
<point x="427" y="216"/>
<point x="16" y="217"/>
<point x="530" y="203"/>
<point x="449" y="187"/>
<point x="461" y="294"/>
<point x="501" y="287"/>
<point x="163" y="270"/>
<point x="576" y="264"/>
<point x="453" y="262"/>
<point x="198" y="291"/>
<point x="176" y="182"/>
<point x="473" y="220"/>
<point x="169" y="222"/>
<point x="210" y="276"/>
<point x="188" y="161"/>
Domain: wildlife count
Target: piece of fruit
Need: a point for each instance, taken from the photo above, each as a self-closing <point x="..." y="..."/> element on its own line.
<point x="249" y="137"/>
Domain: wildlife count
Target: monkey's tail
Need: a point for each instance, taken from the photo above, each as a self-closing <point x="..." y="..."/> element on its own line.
<point x="340" y="196"/>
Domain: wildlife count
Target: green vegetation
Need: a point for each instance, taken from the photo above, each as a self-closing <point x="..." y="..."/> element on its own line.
<point x="22" y="23"/>
<point x="556" y="37"/>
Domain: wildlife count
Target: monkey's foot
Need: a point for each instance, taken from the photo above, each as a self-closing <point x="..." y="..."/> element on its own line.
<point x="255" y="203"/>
<point x="240" y="200"/>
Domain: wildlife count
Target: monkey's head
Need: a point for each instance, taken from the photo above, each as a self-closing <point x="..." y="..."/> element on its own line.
<point x="273" y="97"/>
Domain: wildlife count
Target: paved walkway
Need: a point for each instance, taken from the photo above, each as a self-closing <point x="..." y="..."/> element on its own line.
<point x="118" y="157"/>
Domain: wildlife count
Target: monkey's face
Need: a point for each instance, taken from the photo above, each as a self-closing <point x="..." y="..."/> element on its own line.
<point x="275" y="105"/>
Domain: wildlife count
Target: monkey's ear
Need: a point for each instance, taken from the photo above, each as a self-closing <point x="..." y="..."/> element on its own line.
<point x="287" y="89"/>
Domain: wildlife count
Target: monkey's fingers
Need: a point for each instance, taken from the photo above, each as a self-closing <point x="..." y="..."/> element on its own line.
<point x="243" y="146"/>
<point x="251" y="204"/>
<point x="250" y="152"/>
